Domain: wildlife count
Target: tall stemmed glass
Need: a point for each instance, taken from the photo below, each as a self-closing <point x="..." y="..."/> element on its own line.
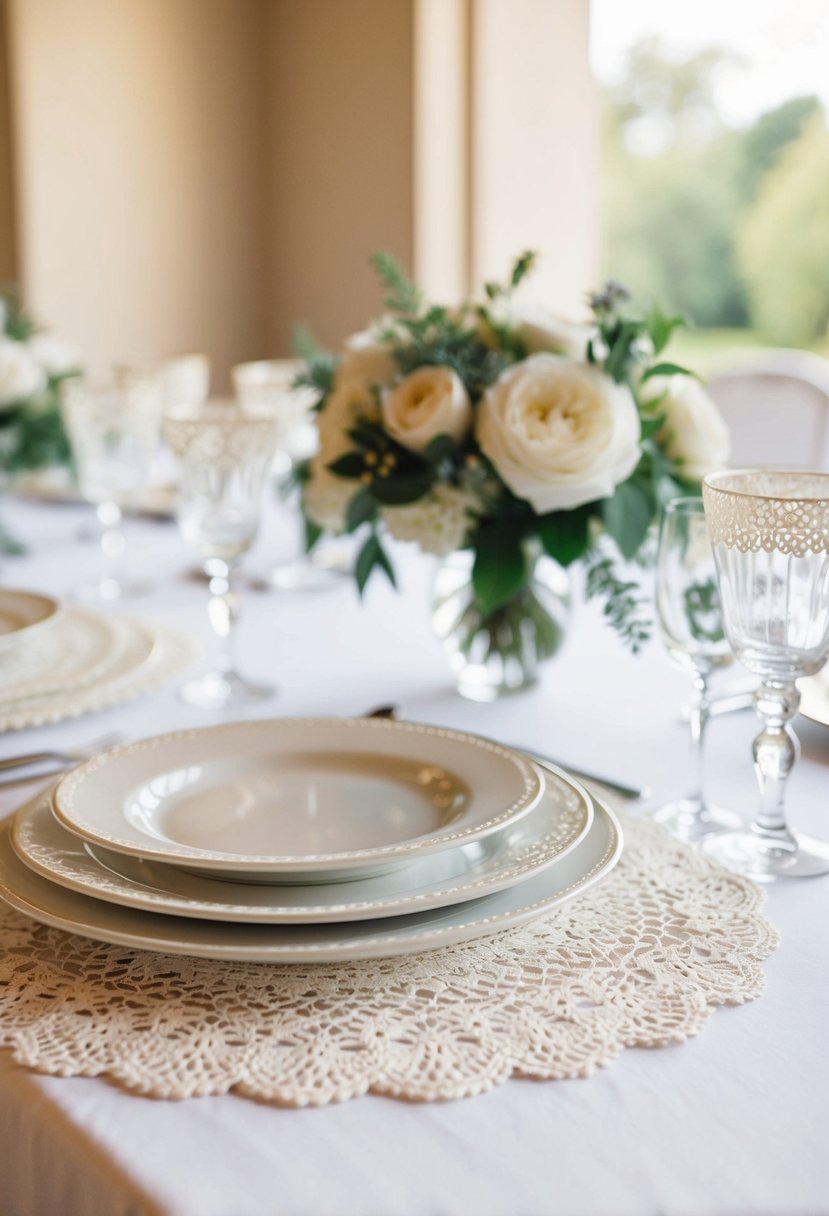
<point x="272" y="382"/>
<point x="224" y="450"/>
<point x="770" y="533"/>
<point x="690" y="620"/>
<point x="114" y="431"/>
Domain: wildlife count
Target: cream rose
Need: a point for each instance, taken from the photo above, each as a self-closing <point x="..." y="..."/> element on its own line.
<point x="21" y="376"/>
<point x="695" y="434"/>
<point x="559" y="432"/>
<point x="538" y="330"/>
<point x="348" y="402"/>
<point x="56" y="357"/>
<point x="428" y="402"/>
<point x="367" y="358"/>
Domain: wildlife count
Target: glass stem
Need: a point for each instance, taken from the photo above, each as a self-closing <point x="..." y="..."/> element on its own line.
<point x="223" y="611"/>
<point x="113" y="540"/>
<point x="775" y="751"/>
<point x="698" y="711"/>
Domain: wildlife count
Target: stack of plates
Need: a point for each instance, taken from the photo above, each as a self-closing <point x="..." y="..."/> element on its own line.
<point x="59" y="661"/>
<point x="305" y="840"/>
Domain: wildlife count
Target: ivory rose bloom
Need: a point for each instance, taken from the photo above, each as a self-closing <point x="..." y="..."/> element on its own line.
<point x="695" y="434"/>
<point x="21" y="376"/>
<point x="428" y="402"/>
<point x="56" y="357"/>
<point x="348" y="402"/>
<point x="368" y="359"/>
<point x="560" y="433"/>
<point x="538" y="330"/>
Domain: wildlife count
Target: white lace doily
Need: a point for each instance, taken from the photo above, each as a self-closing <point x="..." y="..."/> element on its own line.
<point x="640" y="960"/>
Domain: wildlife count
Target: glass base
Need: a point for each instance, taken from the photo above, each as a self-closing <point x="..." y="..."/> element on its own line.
<point x="225" y="690"/>
<point x="689" y="821"/>
<point x="751" y="854"/>
<point x="110" y="589"/>
<point x="307" y="574"/>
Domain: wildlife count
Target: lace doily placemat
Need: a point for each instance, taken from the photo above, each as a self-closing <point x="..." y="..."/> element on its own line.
<point x="642" y="960"/>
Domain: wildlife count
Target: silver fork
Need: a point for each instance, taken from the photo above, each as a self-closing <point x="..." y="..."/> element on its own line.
<point x="61" y="757"/>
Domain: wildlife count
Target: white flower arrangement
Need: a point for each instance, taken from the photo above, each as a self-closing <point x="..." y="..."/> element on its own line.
<point x="500" y="429"/>
<point x="32" y="365"/>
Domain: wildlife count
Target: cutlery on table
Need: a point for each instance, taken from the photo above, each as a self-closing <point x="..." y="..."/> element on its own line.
<point x="630" y="792"/>
<point x="61" y="758"/>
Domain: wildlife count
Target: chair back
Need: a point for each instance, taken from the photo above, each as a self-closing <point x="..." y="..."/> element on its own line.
<point x="776" y="404"/>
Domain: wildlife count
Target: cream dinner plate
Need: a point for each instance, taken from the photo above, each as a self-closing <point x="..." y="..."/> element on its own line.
<point x="545" y="835"/>
<point x="21" y="612"/>
<point x="297" y="799"/>
<point x="51" y="904"/>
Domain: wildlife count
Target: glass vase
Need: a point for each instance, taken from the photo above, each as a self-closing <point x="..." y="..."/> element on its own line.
<point x="501" y="653"/>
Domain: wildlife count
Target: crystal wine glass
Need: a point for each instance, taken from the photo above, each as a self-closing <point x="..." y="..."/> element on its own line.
<point x="114" y="431"/>
<point x="770" y="534"/>
<point x="690" y="620"/>
<point x="272" y="382"/>
<point x="224" y="450"/>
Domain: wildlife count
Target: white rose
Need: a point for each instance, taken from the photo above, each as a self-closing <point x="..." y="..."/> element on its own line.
<point x="21" y="376"/>
<point x="559" y="432"/>
<point x="348" y="402"/>
<point x="325" y="495"/>
<point x="56" y="357"/>
<point x="695" y="434"/>
<point x="430" y="401"/>
<point x="538" y="331"/>
<point x="368" y="358"/>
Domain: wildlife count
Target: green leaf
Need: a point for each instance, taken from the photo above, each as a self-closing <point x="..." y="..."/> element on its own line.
<point x="565" y="535"/>
<point x="371" y="555"/>
<point x="402" y="489"/>
<point x="522" y="267"/>
<point x="351" y="465"/>
<point x="500" y="569"/>
<point x="312" y="534"/>
<point x="666" y="369"/>
<point x="651" y="425"/>
<point x="660" y="328"/>
<point x="627" y="516"/>
<point x="439" y="449"/>
<point x="361" y="509"/>
<point x="403" y="296"/>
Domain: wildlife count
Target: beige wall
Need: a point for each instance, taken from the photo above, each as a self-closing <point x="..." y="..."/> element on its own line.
<point x="8" y="265"/>
<point x="340" y="139"/>
<point x="207" y="174"/>
<point x="142" y="172"/>
<point x="535" y="146"/>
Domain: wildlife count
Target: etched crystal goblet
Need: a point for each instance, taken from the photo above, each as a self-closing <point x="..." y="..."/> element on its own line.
<point x="272" y="382"/>
<point x="690" y="621"/>
<point x="114" y="432"/>
<point x="769" y="530"/>
<point x="224" y="450"/>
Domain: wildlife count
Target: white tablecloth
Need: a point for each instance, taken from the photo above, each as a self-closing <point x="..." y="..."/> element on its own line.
<point x="732" y="1122"/>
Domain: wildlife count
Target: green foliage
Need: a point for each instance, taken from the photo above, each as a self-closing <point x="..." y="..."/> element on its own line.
<point x="626" y="609"/>
<point x="500" y="569"/>
<point x="372" y="557"/>
<point x="784" y="245"/>
<point x="404" y="297"/>
<point x="565" y="535"/>
<point x="683" y="209"/>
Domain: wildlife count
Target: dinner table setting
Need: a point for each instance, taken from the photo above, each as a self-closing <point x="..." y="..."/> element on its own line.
<point x="413" y="786"/>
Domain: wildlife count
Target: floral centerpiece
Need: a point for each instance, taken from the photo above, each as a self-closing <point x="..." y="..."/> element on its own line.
<point x="499" y="432"/>
<point x="32" y="365"/>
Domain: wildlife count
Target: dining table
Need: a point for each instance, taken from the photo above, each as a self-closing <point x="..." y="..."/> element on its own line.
<point x="729" y="1122"/>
